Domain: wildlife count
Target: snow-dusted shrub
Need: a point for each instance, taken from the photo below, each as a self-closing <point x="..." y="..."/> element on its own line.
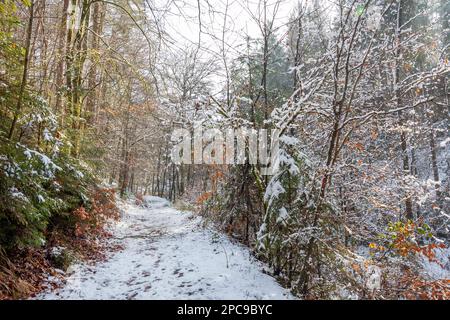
<point x="61" y="257"/>
<point x="415" y="265"/>
<point x="236" y="205"/>
<point x="297" y="227"/>
<point x="35" y="188"/>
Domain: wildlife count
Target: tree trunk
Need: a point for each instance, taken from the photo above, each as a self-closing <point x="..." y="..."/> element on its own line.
<point x="434" y="166"/>
<point x="25" y="71"/>
<point x="403" y="135"/>
<point x="60" y="67"/>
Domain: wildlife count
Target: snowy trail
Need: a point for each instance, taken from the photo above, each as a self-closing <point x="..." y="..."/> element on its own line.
<point x="168" y="255"/>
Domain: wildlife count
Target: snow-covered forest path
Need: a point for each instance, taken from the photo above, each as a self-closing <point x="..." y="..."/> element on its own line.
<point x="168" y="255"/>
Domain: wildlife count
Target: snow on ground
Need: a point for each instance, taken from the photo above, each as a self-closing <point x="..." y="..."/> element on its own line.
<point x="168" y="255"/>
<point x="439" y="269"/>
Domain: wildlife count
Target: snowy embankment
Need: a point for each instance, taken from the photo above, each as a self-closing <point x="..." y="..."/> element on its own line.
<point x="168" y="255"/>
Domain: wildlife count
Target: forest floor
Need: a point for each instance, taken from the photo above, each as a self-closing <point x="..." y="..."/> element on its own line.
<point x="167" y="254"/>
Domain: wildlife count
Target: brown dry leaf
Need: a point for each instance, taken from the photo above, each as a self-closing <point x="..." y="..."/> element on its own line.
<point x="374" y="134"/>
<point x="356" y="267"/>
<point x="359" y="146"/>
